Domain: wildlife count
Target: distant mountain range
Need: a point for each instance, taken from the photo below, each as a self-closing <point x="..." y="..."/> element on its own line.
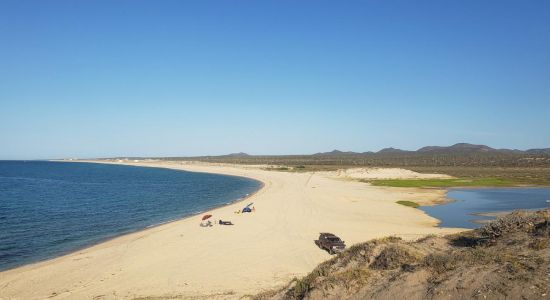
<point x="454" y="149"/>
<point x="461" y="154"/>
<point x="538" y="151"/>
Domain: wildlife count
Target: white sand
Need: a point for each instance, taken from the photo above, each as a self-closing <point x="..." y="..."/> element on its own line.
<point x="383" y="173"/>
<point x="264" y="249"/>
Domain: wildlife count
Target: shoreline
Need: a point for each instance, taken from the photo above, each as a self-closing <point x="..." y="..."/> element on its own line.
<point x="107" y="239"/>
<point x="205" y="285"/>
<point x="487" y="216"/>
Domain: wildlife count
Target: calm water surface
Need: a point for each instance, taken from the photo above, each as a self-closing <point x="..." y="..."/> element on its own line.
<point x="469" y="202"/>
<point x="51" y="208"/>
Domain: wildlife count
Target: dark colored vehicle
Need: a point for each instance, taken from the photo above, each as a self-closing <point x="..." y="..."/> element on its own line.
<point x="330" y="242"/>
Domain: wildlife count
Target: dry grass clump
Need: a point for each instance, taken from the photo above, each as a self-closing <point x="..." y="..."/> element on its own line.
<point x="348" y="269"/>
<point x="509" y="258"/>
<point x="449" y="261"/>
<point x="348" y="279"/>
<point x="304" y="285"/>
<point x="395" y="256"/>
<point x="519" y="221"/>
<point x="539" y="244"/>
<point x="441" y="262"/>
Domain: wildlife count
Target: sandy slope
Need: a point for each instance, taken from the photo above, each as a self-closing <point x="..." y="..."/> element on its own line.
<point x="384" y="173"/>
<point x="263" y="250"/>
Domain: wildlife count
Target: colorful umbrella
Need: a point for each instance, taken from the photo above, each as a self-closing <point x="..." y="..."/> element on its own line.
<point x="206" y="217"/>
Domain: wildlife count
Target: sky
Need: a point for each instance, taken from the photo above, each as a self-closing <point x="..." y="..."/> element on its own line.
<point x="84" y="79"/>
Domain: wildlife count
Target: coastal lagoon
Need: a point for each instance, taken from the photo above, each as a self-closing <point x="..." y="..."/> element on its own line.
<point x="468" y="206"/>
<point x="51" y="208"/>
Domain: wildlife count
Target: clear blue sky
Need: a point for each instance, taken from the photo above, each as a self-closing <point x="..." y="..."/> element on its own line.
<point x="159" y="78"/>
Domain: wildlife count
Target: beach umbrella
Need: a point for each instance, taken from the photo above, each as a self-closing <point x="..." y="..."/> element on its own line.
<point x="206" y="217"/>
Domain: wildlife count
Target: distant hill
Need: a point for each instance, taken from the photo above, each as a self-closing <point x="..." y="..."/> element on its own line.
<point x="539" y="151"/>
<point x="472" y="148"/>
<point x="392" y="150"/>
<point x="460" y="147"/>
<point x="336" y="152"/>
<point x="239" y="154"/>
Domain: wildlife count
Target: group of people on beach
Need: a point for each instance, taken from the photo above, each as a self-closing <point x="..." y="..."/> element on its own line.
<point x="247" y="209"/>
<point x="209" y="223"/>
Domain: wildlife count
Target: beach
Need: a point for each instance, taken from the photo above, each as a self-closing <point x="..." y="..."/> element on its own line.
<point x="263" y="250"/>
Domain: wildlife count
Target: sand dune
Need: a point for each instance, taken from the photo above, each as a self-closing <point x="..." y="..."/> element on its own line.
<point x="383" y="173"/>
<point x="263" y="250"/>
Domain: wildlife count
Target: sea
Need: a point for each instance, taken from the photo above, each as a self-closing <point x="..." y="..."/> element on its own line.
<point x="467" y="206"/>
<point x="48" y="209"/>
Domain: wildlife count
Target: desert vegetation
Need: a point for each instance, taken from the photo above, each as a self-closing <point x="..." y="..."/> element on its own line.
<point x="507" y="258"/>
<point x="408" y="203"/>
<point x="465" y="161"/>
<point x="497" y="167"/>
<point x="460" y="182"/>
<point x="389" y="160"/>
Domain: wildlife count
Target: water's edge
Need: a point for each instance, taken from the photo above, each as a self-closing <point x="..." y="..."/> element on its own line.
<point x="480" y="217"/>
<point x="144" y="229"/>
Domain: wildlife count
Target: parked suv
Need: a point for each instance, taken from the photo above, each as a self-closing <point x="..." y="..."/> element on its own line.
<point x="330" y="243"/>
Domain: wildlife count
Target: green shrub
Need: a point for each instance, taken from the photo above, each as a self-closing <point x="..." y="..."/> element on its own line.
<point x="408" y="203"/>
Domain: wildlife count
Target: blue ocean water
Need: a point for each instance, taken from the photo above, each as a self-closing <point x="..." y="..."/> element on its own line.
<point x="469" y="202"/>
<point x="51" y="208"/>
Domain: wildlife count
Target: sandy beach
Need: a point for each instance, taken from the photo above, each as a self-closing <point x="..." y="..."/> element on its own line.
<point x="264" y="249"/>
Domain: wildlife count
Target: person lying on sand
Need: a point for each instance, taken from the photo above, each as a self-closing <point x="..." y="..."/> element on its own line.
<point x="225" y="222"/>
